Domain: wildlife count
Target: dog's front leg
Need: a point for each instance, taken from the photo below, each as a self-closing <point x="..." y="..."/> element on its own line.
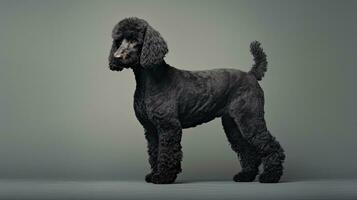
<point x="169" y="154"/>
<point x="152" y="139"/>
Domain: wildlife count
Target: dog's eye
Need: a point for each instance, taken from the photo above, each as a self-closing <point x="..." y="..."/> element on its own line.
<point x="137" y="46"/>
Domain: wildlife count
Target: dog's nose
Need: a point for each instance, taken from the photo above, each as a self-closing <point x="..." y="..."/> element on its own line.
<point x="118" y="55"/>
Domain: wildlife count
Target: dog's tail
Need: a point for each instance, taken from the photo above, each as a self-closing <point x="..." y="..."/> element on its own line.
<point x="260" y="60"/>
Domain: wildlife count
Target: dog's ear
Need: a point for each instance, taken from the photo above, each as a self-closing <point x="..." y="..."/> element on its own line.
<point x="154" y="48"/>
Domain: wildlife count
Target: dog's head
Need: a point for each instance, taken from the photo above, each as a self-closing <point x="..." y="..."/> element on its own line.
<point x="136" y="43"/>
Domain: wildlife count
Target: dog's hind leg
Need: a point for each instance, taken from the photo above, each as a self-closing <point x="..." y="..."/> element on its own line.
<point x="247" y="154"/>
<point x="248" y="114"/>
<point x="153" y="145"/>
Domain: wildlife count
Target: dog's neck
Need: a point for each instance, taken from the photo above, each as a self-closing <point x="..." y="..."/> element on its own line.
<point x="155" y="73"/>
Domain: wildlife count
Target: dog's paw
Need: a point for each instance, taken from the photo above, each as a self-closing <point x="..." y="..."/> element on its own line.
<point x="270" y="176"/>
<point x="245" y="176"/>
<point x="148" y="177"/>
<point x="163" y="179"/>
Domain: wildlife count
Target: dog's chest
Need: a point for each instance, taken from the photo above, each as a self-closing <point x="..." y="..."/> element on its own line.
<point x="140" y="107"/>
<point x="148" y="94"/>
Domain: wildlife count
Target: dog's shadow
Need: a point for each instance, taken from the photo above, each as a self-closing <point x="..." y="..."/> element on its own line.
<point x="205" y="181"/>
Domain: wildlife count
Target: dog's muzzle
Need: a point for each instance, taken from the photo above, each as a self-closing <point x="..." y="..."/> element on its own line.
<point x="114" y="67"/>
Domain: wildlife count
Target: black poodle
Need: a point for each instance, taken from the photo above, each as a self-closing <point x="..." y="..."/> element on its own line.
<point x="168" y="100"/>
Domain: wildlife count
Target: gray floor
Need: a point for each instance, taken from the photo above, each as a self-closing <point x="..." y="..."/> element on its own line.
<point x="101" y="190"/>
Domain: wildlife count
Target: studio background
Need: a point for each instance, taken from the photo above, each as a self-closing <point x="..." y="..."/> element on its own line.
<point x="65" y="115"/>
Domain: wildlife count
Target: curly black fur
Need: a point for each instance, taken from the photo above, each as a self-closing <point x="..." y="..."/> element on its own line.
<point x="168" y="100"/>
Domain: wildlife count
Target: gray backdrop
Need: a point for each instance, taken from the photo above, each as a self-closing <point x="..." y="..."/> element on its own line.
<point x="65" y="115"/>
